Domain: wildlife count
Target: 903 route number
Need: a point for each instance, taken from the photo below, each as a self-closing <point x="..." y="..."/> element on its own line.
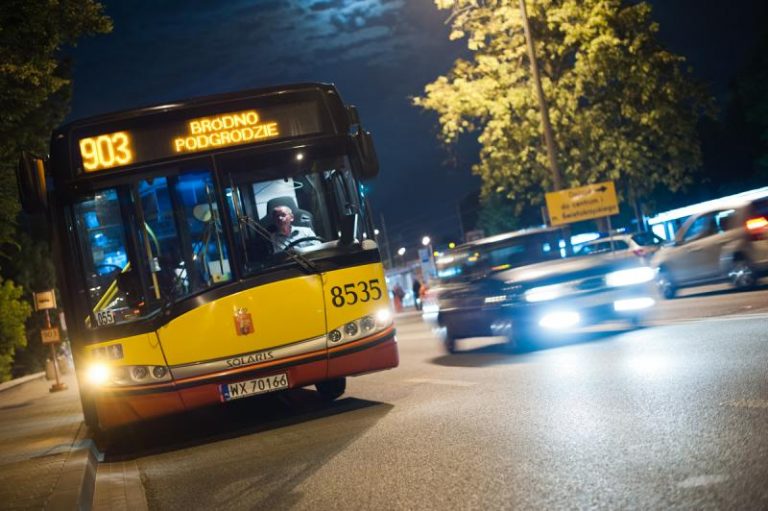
<point x="354" y="292"/>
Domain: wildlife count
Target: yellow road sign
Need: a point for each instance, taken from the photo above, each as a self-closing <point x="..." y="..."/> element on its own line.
<point x="50" y="335"/>
<point x="582" y="203"/>
<point x="45" y="300"/>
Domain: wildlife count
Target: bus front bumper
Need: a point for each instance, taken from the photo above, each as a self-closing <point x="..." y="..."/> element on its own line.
<point x="119" y="407"/>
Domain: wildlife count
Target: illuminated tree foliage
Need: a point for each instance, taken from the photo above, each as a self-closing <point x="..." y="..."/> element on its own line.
<point x="34" y="98"/>
<point x="621" y="106"/>
<point x="12" y="332"/>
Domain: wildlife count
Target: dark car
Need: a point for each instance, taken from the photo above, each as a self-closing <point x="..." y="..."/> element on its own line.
<point x="522" y="285"/>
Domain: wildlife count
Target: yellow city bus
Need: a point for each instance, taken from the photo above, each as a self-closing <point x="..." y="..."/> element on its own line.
<point x="214" y="249"/>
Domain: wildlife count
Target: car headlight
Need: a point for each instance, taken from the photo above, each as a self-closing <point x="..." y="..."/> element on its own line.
<point x="544" y="293"/>
<point x="630" y="277"/>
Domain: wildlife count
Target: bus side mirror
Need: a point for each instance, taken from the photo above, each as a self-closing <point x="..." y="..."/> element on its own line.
<point x="349" y="225"/>
<point x="369" y="161"/>
<point x="30" y="178"/>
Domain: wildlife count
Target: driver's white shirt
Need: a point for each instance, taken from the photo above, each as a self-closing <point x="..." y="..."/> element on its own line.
<point x="280" y="241"/>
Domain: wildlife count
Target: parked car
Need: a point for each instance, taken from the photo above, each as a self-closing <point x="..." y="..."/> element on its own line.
<point x="522" y="286"/>
<point x="726" y="244"/>
<point x="641" y="244"/>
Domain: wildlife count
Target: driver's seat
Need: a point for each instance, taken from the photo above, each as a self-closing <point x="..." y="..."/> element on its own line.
<point x="301" y="217"/>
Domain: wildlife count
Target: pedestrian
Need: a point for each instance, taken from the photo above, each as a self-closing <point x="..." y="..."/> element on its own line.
<point x="397" y="296"/>
<point x="417" y="294"/>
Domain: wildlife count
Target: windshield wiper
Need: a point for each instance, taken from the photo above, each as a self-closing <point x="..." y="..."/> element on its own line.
<point x="262" y="231"/>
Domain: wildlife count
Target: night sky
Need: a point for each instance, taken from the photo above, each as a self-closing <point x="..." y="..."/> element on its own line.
<point x="378" y="52"/>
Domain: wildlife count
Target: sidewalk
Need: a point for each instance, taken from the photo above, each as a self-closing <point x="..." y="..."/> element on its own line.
<point x="38" y="430"/>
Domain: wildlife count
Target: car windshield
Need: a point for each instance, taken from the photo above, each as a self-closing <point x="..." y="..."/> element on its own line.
<point x="151" y="243"/>
<point x="647" y="239"/>
<point x="601" y="247"/>
<point x="482" y="259"/>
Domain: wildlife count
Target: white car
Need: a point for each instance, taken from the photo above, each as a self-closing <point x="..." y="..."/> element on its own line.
<point x="642" y="244"/>
<point x="726" y="244"/>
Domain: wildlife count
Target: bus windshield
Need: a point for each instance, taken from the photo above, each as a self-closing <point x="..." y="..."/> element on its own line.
<point x="156" y="241"/>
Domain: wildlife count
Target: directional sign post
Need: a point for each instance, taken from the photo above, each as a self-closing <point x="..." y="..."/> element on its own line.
<point x="582" y="203"/>
<point x="46" y="301"/>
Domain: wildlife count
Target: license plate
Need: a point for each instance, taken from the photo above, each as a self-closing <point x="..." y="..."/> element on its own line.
<point x="230" y="391"/>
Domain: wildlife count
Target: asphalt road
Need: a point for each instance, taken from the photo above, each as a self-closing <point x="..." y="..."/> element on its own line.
<point x="669" y="416"/>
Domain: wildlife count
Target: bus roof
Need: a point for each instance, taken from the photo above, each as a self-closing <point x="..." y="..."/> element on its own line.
<point x="105" y="144"/>
<point x="171" y="106"/>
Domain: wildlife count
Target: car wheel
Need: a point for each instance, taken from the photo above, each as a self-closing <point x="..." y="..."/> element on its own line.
<point x="667" y="288"/>
<point x="742" y="275"/>
<point x="450" y="343"/>
<point x="331" y="389"/>
<point x="637" y="321"/>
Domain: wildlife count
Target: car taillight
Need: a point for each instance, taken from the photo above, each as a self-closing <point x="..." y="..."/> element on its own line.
<point x="757" y="227"/>
<point x="639" y="252"/>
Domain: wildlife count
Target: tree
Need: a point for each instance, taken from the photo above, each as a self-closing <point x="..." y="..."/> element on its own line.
<point x="35" y="81"/>
<point x="12" y="332"/>
<point x="34" y="97"/>
<point x="622" y="107"/>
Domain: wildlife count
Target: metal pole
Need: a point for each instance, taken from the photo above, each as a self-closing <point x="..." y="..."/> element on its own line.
<point x="386" y="240"/>
<point x="610" y="234"/>
<point x="58" y="386"/>
<point x="557" y="180"/>
<point x="461" y="222"/>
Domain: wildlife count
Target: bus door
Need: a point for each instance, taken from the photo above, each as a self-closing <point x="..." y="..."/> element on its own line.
<point x="218" y="325"/>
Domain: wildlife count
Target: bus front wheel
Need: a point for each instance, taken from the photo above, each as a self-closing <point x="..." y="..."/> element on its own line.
<point x="331" y="389"/>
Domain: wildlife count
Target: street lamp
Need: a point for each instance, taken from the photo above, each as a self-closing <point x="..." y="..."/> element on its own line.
<point x="401" y="251"/>
<point x="427" y="242"/>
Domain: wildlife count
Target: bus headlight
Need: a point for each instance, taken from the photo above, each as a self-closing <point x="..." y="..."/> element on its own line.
<point x="383" y="317"/>
<point x="360" y="327"/>
<point x="98" y="374"/>
<point x="630" y="277"/>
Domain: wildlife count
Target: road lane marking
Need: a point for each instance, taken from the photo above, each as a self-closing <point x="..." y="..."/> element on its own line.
<point x="749" y="403"/>
<point x="702" y="480"/>
<point x="453" y="383"/>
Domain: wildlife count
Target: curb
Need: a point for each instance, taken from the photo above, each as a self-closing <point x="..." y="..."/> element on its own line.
<point x="75" y="487"/>
<point x="18" y="381"/>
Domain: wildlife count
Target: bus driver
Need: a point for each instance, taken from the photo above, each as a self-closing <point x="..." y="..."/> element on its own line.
<point x="287" y="233"/>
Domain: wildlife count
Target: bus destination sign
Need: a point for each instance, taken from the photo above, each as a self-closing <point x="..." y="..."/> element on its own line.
<point x="225" y="130"/>
<point x="143" y="141"/>
<point x="117" y="149"/>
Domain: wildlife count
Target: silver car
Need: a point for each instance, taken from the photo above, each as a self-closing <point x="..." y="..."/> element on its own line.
<point x="726" y="244"/>
<point x="642" y="244"/>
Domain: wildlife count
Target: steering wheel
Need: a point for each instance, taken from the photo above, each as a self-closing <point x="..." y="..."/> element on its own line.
<point x="302" y="240"/>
